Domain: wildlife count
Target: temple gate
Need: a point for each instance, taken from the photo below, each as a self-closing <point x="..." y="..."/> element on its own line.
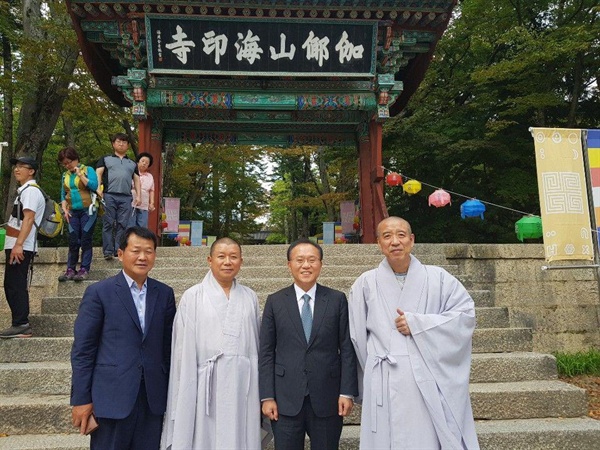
<point x="264" y="72"/>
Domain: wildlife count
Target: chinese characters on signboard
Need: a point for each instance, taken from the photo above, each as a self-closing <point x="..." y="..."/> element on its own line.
<point x="213" y="46"/>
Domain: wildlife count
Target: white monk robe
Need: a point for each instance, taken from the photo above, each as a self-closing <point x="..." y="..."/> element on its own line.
<point x="415" y="389"/>
<point x="213" y="400"/>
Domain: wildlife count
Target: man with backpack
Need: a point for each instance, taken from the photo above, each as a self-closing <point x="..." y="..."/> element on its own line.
<point x="21" y="244"/>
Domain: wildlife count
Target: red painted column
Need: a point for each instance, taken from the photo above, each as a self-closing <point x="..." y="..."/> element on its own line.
<point x="377" y="175"/>
<point x="372" y="203"/>
<point x="152" y="145"/>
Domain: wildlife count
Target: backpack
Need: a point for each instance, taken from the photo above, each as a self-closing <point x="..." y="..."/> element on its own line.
<point x="52" y="220"/>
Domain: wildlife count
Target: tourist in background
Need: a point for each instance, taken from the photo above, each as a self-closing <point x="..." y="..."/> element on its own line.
<point x="140" y="212"/>
<point x="21" y="244"/>
<point x="78" y="195"/>
<point x="115" y="173"/>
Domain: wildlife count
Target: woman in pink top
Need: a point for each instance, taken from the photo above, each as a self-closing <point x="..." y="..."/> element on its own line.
<point x="140" y="212"/>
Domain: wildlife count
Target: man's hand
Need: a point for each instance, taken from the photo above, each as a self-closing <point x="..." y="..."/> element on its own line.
<point x="401" y="323"/>
<point x="80" y="415"/>
<point x="269" y="409"/>
<point x="16" y="254"/>
<point x="345" y="405"/>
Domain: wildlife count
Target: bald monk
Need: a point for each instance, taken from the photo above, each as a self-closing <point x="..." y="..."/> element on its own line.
<point x="213" y="398"/>
<point x="411" y="326"/>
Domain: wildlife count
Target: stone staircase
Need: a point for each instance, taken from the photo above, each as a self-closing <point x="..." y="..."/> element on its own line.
<point x="517" y="399"/>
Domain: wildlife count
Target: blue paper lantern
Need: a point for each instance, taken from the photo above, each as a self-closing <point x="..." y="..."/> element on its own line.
<point x="472" y="208"/>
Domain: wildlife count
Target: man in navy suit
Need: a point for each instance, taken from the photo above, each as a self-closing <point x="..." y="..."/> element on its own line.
<point x="122" y="351"/>
<point x="307" y="365"/>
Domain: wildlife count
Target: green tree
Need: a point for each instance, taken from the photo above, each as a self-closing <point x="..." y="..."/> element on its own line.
<point x="501" y="68"/>
<point x="41" y="51"/>
<point x="220" y="185"/>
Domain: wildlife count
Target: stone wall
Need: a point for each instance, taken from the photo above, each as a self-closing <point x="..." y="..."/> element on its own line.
<point x="562" y="306"/>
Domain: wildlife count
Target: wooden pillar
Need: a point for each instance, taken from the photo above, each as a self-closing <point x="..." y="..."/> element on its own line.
<point x="153" y="146"/>
<point x="372" y="202"/>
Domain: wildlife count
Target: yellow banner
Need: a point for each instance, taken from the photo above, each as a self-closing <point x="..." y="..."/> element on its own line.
<point x="563" y="194"/>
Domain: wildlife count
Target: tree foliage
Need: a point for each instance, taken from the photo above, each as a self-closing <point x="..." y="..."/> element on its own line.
<point x="502" y="67"/>
<point x="220" y="185"/>
<point x="310" y="183"/>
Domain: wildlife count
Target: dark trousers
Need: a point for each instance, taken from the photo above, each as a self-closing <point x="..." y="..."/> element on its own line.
<point x="117" y="214"/>
<point x="140" y="430"/>
<point x="81" y="232"/>
<point x="16" y="289"/>
<point x="324" y="432"/>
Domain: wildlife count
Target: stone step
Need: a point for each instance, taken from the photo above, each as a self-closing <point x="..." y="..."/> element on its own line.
<point x="494" y="317"/>
<point x="45" y="442"/>
<point x="531" y="434"/>
<point x="527" y="399"/>
<point x="70" y="289"/>
<point x="494" y="340"/>
<point x="518" y="400"/>
<point x="491" y="401"/>
<point x="267" y="271"/>
<point x="54" y="377"/>
<point x="539" y="434"/>
<point x="489" y="340"/>
<point x="70" y="304"/>
<point x="36" y="414"/>
<point x="512" y="367"/>
<point x="35" y="349"/>
<point x="56" y="325"/>
<point x="35" y="378"/>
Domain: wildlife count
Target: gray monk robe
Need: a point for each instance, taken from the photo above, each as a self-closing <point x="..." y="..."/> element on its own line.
<point x="415" y="389"/>
<point x="213" y="398"/>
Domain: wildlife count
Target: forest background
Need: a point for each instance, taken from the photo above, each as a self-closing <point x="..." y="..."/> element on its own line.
<point x="501" y="67"/>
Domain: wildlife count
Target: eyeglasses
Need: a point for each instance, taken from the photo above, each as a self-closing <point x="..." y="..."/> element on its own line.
<point x="23" y="166"/>
<point x="310" y="261"/>
<point x="66" y="162"/>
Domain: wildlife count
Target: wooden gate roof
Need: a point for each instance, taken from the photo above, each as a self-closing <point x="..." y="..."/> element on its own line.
<point x="114" y="44"/>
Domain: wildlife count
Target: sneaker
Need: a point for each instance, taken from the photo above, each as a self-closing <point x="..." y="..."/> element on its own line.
<point x="108" y="257"/>
<point x="81" y="275"/>
<point x="19" y="331"/>
<point x="68" y="275"/>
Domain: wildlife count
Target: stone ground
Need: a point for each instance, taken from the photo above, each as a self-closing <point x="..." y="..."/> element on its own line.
<point x="592" y="385"/>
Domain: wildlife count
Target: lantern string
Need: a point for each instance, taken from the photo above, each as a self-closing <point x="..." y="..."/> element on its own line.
<point x="462" y="195"/>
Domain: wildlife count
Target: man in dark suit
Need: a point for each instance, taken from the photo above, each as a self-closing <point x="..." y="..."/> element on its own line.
<point x="122" y="351"/>
<point x="307" y="365"/>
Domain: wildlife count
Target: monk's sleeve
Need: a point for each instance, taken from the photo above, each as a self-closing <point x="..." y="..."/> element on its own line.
<point x="357" y="317"/>
<point x="178" y="427"/>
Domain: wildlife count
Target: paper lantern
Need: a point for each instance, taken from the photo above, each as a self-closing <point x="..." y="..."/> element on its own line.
<point x="439" y="198"/>
<point x="393" y="179"/>
<point x="356" y="226"/>
<point x="411" y="187"/>
<point x="472" y="208"/>
<point x="529" y="227"/>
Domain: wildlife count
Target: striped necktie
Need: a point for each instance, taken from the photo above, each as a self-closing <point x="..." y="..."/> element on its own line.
<point x="306" y="316"/>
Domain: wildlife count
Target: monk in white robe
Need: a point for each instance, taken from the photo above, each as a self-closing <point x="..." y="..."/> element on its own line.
<point x="412" y="327"/>
<point x="213" y="400"/>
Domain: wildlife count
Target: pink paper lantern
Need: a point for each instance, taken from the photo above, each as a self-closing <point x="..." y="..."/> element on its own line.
<point x="439" y="198"/>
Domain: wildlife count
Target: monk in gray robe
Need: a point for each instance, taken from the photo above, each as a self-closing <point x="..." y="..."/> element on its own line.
<point x="411" y="326"/>
<point x="213" y="400"/>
